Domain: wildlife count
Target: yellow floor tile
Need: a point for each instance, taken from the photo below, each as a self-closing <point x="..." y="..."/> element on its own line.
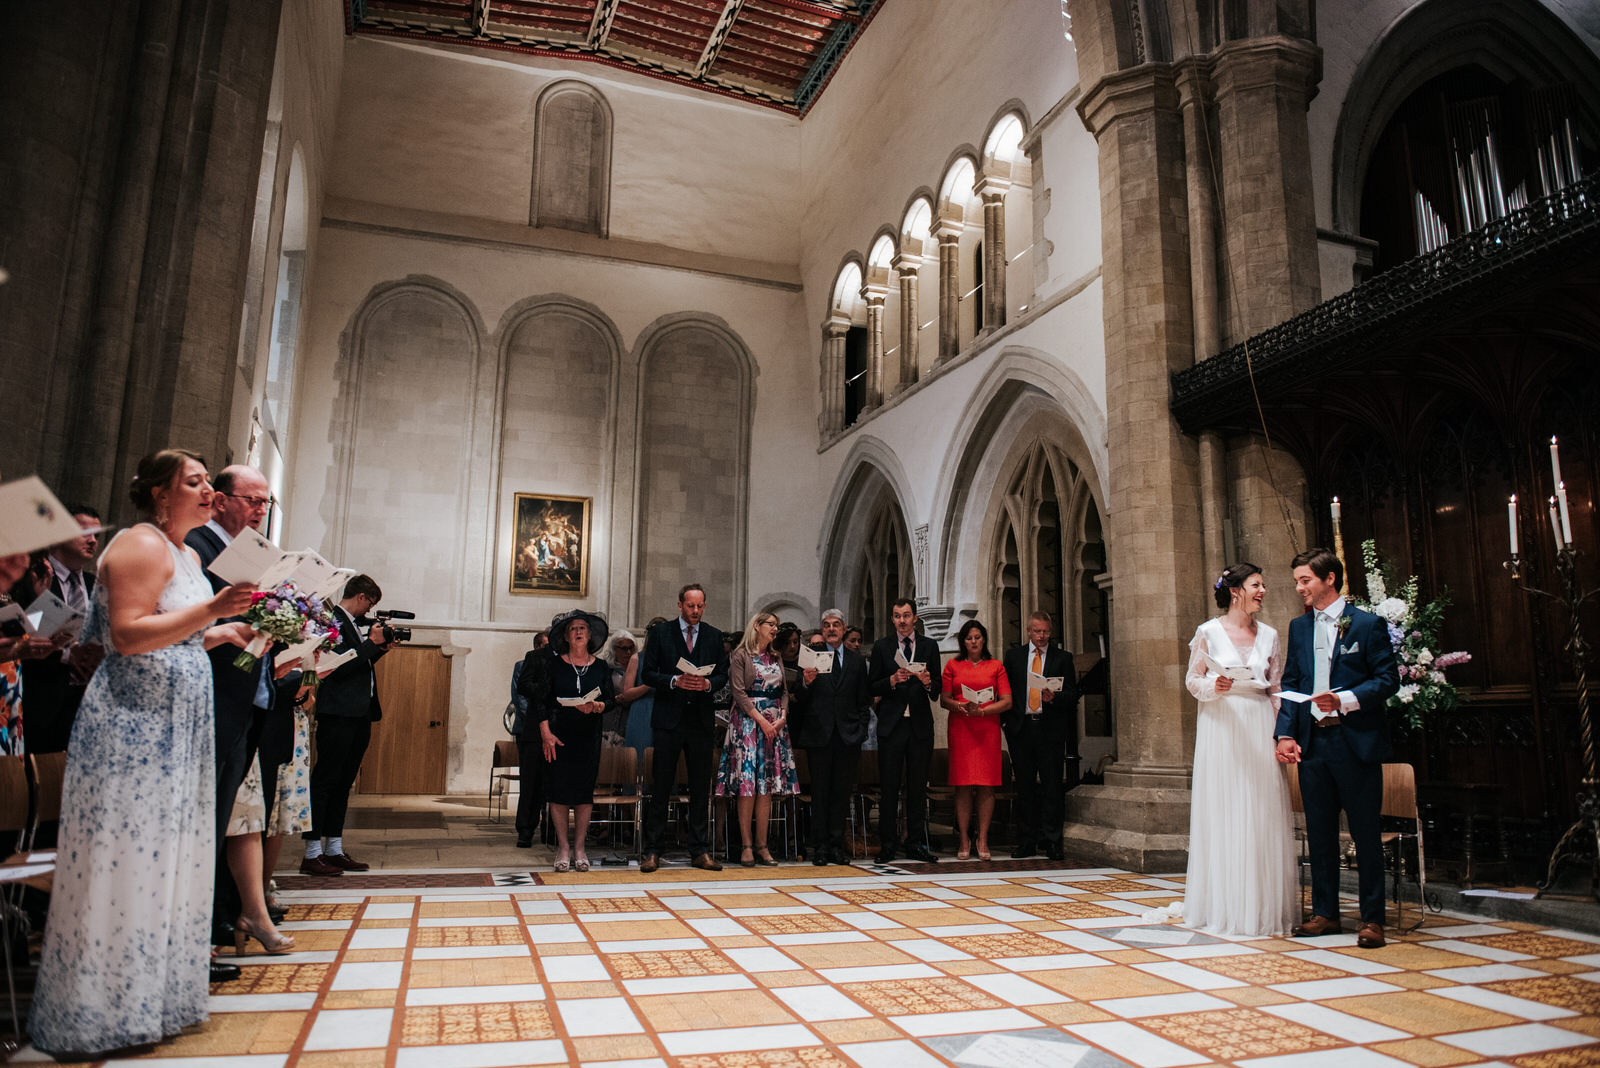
<point x="615" y="1048"/>
<point x="903" y="997"/>
<point x="1581" y="1057"/>
<point x="1111" y="981"/>
<point x="1131" y="956"/>
<point x="1413" y="956"/>
<point x="472" y="971"/>
<point x="1415" y="980"/>
<point x="1421" y="1014"/>
<point x="597" y="989"/>
<point x="1536" y="945"/>
<point x="1232" y="1034"/>
<point x="969" y="967"/>
<point x="1264" y="969"/>
<point x="344" y="1058"/>
<point x="848" y="955"/>
<point x="1253" y="996"/>
<point x="1562" y="991"/>
<point x="381" y="925"/>
<point x="871" y="1030"/>
<point x="1072" y="1013"/>
<point x="1586" y="1025"/>
<point x="359" y="999"/>
<point x="700" y="1012"/>
<point x="809" y="1057"/>
<point x="449" y="1025"/>
<point x="1426" y="1052"/>
<point x="275" y="979"/>
<point x="238" y="1034"/>
<point x="775" y="980"/>
<point x="817" y="923"/>
<point x="437" y="937"/>
<point x="370" y="955"/>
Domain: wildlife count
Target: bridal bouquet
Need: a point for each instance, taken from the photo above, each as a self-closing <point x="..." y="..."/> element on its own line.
<point x="1414" y="633"/>
<point x="284" y="614"/>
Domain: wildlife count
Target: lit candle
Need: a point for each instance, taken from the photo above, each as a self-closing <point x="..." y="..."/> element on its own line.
<point x="1336" y="512"/>
<point x="1566" y="519"/>
<point x="1555" y="524"/>
<point x="1555" y="459"/>
<point x="1511" y="510"/>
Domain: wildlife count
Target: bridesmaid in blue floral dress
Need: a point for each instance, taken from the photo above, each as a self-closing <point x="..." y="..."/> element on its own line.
<point x="127" y="940"/>
<point x="758" y="759"/>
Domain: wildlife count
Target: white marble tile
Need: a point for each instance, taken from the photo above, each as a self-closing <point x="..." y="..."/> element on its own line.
<point x="474" y="995"/>
<point x="1486" y="973"/>
<point x="944" y="893"/>
<point x="258" y="1060"/>
<point x="906" y="906"/>
<point x="622" y="917"/>
<point x="1049" y="961"/>
<point x="262" y="1002"/>
<point x="1472" y="949"/>
<point x="389" y="910"/>
<point x="627" y="891"/>
<point x="291" y="926"/>
<point x="1016" y="990"/>
<point x="1516" y="1040"/>
<point x="868" y="921"/>
<point x="374" y="975"/>
<point x="1353" y="963"/>
<point x="1087" y="942"/>
<point x="1507" y="1003"/>
<point x="1221" y="949"/>
<point x="468" y="952"/>
<point x="350" y="1029"/>
<point x="464" y="921"/>
<point x="819" y="1003"/>
<point x="773" y="910"/>
<point x="1136" y="1045"/>
<point x="455" y="896"/>
<point x="257" y="960"/>
<point x="586" y="1017"/>
<point x="544" y="907"/>
<point x="1323" y="989"/>
<point x="651" y="945"/>
<point x="761" y="959"/>
<point x="818" y="897"/>
<point x="930" y="949"/>
<point x="1590" y="959"/>
<point x="482" y="1054"/>
<point x="556" y="934"/>
<point x="733" y="1039"/>
<point x="584" y="968"/>
<point x="1335" y="1023"/>
<point x="1190" y="976"/>
<point x="1330" y="1058"/>
<point x="686" y="903"/>
<point x="1346" y="939"/>
<point x="716" y="927"/>
<point x="899" y="1053"/>
<point x="687" y="984"/>
<point x="1007" y="914"/>
<point x="873" y="973"/>
<point x="380" y="938"/>
<point x="973" y="1021"/>
<point x="1161" y="1005"/>
<point x="1469" y="930"/>
<point x="818" y="938"/>
<point x="959" y="930"/>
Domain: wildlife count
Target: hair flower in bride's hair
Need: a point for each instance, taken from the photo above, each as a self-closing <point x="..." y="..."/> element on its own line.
<point x="1221" y="581"/>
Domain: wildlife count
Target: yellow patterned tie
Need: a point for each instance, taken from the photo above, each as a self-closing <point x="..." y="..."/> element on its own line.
<point x="1037" y="669"/>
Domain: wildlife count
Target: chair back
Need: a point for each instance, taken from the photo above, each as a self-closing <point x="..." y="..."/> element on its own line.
<point x="939" y="768"/>
<point x="618" y="765"/>
<point x="867" y="771"/>
<point x="506" y="755"/>
<point x="48" y="771"/>
<point x="1399" y="791"/>
<point x="14" y="794"/>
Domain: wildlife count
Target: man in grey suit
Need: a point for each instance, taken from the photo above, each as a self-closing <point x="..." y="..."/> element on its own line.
<point x="831" y="710"/>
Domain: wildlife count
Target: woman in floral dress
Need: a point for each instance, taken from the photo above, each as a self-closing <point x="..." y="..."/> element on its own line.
<point x="758" y="759"/>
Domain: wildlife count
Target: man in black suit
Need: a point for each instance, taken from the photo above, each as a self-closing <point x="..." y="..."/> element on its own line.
<point x="832" y="716"/>
<point x="347" y="707"/>
<point x="683" y="721"/>
<point x="905" y="730"/>
<point x="53" y="685"/>
<point x="1039" y="727"/>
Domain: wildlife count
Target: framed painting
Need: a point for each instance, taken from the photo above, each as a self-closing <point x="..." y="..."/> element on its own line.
<point x="550" y="545"/>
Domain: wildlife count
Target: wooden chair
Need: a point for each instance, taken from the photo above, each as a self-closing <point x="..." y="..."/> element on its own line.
<point x="868" y="795"/>
<point x="940" y="793"/>
<point x="46" y="771"/>
<point x="618" y="775"/>
<point x="16" y="817"/>
<point x="505" y="756"/>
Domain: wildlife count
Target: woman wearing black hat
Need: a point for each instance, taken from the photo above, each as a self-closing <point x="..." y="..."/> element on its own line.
<point x="569" y="725"/>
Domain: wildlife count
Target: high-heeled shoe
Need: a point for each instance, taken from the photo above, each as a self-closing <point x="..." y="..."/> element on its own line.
<point x="965" y="852"/>
<point x="275" y="944"/>
<point x="764" y="859"/>
<point x="747" y="858"/>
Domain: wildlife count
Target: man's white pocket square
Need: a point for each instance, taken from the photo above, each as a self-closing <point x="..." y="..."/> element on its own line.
<point x="1346" y="650"/>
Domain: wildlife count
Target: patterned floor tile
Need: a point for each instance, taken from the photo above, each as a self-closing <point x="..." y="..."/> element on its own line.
<point x="509" y="935"/>
<point x="817" y="923"/>
<point x="275" y="979"/>
<point x="1000" y="946"/>
<point x="1564" y="991"/>
<point x="1267" y="969"/>
<point x="434" y="1025"/>
<point x="920" y="996"/>
<point x="682" y="963"/>
<point x="1230" y="1034"/>
<point x="881" y="896"/>
<point x="1535" y="944"/>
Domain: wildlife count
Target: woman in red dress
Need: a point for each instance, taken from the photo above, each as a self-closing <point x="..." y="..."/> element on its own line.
<point x="974" y="729"/>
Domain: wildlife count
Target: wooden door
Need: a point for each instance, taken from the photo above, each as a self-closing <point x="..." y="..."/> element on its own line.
<point x="409" y="745"/>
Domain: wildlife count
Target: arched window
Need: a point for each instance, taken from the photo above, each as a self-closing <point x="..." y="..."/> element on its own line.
<point x="883" y="319"/>
<point x="1005" y="186"/>
<point x="958" y="226"/>
<point x="572" y="160"/>
<point x="844" y="352"/>
<point x="279" y="398"/>
<point x="918" y="269"/>
<point x="885" y="570"/>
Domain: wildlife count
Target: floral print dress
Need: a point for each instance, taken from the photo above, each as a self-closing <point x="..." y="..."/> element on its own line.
<point x="752" y="764"/>
<point x="126" y="946"/>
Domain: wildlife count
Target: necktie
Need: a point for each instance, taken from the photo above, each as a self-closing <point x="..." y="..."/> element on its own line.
<point x="77" y="599"/>
<point x="906" y="644"/>
<point x="1324" y="654"/>
<point x="689" y="641"/>
<point x="1037" y="669"/>
<point x="838" y="659"/>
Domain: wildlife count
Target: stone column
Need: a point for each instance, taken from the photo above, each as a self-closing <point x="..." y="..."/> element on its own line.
<point x="1139" y="817"/>
<point x="948" y="232"/>
<point x="833" y="332"/>
<point x="992" y="192"/>
<point x="908" y="268"/>
<point x="874" y="295"/>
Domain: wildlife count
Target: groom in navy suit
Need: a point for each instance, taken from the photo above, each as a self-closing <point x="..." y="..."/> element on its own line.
<point x="1341" y="656"/>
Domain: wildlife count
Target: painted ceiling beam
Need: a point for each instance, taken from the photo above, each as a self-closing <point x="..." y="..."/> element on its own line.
<point x="708" y="56"/>
<point x="605" y="13"/>
<point x="480" y="16"/>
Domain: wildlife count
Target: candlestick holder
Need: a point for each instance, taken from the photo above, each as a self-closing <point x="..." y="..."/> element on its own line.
<point x="1583" y="837"/>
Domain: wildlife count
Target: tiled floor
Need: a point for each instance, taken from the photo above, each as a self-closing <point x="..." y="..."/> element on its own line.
<point x="818" y="967"/>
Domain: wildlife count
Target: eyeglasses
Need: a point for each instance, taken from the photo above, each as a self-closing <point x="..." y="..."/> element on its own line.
<point x="254" y="502"/>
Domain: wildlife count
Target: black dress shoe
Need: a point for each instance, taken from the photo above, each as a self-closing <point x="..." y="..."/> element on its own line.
<point x="1023" y="851"/>
<point x="885" y="856"/>
<point x="525" y="841"/>
<point x="318" y="866"/>
<point x="821" y="858"/>
<point x="1053" y="852"/>
<point x="922" y="853"/>
<point x="276" y="915"/>
<point x="223" y="973"/>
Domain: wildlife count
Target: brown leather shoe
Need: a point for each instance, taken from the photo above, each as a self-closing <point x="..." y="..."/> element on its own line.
<point x="1317" y="925"/>
<point x="649" y="864"/>
<point x="318" y="866"/>
<point x="706" y="862"/>
<point x="345" y="862"/>
<point x="1370" y="936"/>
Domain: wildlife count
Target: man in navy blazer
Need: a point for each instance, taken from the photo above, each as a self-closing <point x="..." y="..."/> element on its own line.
<point x="1341" y="656"/>
<point x="830" y="711"/>
<point x="682" y="720"/>
<point x="905" y="730"/>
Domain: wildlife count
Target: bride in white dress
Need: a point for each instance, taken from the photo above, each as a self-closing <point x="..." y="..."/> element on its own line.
<point x="1241" y="841"/>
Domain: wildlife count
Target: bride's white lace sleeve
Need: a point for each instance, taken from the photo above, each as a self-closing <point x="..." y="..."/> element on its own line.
<point x="1275" y="671"/>
<point x="1202" y="685"/>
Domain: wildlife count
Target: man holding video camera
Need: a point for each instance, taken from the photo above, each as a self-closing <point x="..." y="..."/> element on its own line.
<point x="347" y="707"/>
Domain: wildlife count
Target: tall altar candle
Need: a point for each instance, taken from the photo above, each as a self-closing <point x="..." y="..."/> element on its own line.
<point x="1566" y="518"/>
<point x="1555" y="459"/>
<point x="1511" y="510"/>
<point x="1555" y="525"/>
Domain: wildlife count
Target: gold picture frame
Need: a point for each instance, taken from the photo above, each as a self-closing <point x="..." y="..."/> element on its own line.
<point x="550" y="544"/>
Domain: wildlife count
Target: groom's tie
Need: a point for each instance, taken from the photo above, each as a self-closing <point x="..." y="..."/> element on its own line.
<point x="1324" y="654"/>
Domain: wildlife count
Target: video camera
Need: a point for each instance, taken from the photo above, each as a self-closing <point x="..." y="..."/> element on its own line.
<point x="384" y="620"/>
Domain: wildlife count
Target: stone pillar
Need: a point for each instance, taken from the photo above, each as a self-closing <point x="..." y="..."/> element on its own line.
<point x="1262" y="89"/>
<point x="949" y="234"/>
<point x="1213" y="502"/>
<point x="833" y="332"/>
<point x="1139" y="817"/>
<point x="874" y="295"/>
<point x="908" y="268"/>
<point x="992" y="192"/>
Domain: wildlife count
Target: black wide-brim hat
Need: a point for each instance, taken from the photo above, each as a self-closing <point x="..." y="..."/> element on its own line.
<point x="597" y="630"/>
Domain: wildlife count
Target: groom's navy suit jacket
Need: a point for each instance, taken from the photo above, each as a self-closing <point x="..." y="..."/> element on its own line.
<point x="1363" y="664"/>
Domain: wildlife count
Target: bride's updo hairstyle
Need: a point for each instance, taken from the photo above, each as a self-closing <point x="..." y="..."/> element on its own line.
<point x="1232" y="578"/>
<point x="157" y="471"/>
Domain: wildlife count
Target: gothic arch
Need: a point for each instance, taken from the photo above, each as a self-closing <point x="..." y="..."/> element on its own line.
<point x="1512" y="39"/>
<point x="869" y="557"/>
